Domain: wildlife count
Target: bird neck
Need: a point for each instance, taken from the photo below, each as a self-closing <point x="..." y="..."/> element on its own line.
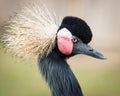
<point x="59" y="76"/>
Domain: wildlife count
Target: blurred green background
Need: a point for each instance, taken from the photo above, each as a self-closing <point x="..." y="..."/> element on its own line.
<point x="20" y="77"/>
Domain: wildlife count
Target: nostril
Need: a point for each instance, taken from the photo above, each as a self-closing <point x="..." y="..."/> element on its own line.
<point x="90" y="49"/>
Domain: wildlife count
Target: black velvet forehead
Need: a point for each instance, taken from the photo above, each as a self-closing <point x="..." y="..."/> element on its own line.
<point x="77" y="27"/>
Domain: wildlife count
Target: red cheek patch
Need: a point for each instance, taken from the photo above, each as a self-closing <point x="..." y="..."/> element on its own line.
<point x="64" y="41"/>
<point x="65" y="45"/>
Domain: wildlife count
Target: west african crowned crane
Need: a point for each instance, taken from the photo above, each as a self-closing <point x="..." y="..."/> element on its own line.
<point x="35" y="31"/>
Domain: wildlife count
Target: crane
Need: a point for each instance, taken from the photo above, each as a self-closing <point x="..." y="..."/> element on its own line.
<point x="35" y="31"/>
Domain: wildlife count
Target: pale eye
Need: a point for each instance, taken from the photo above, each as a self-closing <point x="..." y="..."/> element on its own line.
<point x="75" y="39"/>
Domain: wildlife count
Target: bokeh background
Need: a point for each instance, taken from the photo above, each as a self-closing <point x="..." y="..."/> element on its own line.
<point x="97" y="77"/>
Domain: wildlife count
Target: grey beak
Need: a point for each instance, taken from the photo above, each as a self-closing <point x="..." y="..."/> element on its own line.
<point x="95" y="53"/>
<point x="86" y="49"/>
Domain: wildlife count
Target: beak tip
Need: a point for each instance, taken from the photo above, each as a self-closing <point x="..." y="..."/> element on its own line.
<point x="99" y="55"/>
<point x="103" y="58"/>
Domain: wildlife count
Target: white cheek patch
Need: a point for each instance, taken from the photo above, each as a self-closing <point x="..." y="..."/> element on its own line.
<point x="64" y="41"/>
<point x="65" y="33"/>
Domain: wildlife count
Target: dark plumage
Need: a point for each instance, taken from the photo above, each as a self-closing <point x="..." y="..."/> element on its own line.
<point x="59" y="76"/>
<point x="77" y="27"/>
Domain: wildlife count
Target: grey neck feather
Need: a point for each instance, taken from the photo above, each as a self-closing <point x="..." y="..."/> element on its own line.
<point x="59" y="76"/>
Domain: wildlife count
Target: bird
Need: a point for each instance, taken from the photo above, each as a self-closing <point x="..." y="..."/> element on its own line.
<point x="35" y="31"/>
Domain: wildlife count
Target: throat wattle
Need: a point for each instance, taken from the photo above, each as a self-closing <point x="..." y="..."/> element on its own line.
<point x="65" y="59"/>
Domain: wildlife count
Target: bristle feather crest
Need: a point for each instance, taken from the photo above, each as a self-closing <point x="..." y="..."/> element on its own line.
<point x="31" y="32"/>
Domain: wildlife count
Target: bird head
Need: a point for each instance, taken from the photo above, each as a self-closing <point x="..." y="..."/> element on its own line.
<point x="73" y="37"/>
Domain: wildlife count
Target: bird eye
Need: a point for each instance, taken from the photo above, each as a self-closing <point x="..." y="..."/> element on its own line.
<point x="75" y="39"/>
